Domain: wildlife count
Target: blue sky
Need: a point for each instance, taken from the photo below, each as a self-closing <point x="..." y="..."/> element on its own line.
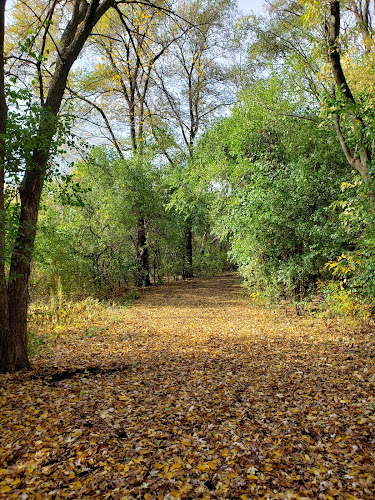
<point x="248" y="6"/>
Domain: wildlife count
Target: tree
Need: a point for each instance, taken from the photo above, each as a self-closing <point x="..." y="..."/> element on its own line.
<point x="87" y="230"/>
<point x="4" y="321"/>
<point x="359" y="152"/>
<point x="13" y="347"/>
<point x="328" y="62"/>
<point x="130" y="42"/>
<point x="194" y="84"/>
<point x="275" y="179"/>
<point x="75" y="24"/>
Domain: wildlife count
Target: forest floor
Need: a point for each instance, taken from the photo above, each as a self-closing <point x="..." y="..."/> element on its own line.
<point x="193" y="392"/>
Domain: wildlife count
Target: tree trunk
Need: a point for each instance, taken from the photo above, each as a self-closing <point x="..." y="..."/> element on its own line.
<point x="143" y="278"/>
<point x="4" y="322"/>
<point x="362" y="161"/>
<point x="188" y="261"/>
<point x="30" y="194"/>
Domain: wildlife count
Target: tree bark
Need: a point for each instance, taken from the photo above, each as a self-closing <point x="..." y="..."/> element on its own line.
<point x="143" y="278"/>
<point x="188" y="263"/>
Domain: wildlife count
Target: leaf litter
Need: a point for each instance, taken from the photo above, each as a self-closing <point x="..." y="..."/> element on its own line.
<point x="194" y="392"/>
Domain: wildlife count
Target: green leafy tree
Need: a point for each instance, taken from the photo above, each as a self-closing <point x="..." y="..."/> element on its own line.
<point x="275" y="178"/>
<point x="95" y="230"/>
<point x="130" y="44"/>
<point x="325" y="51"/>
<point x="194" y="87"/>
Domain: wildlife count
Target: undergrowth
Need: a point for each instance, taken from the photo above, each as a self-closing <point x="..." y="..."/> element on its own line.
<point x="58" y="314"/>
<point x="330" y="300"/>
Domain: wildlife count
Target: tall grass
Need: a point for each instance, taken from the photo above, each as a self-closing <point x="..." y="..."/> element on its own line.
<point x="59" y="314"/>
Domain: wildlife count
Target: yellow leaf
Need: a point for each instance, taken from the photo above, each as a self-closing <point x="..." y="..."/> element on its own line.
<point x="211" y="465"/>
<point x="5" y="489"/>
<point x="176" y="466"/>
<point x="225" y="452"/>
<point x="166" y="468"/>
<point x="202" y="467"/>
<point x="243" y="497"/>
<point x="77" y="486"/>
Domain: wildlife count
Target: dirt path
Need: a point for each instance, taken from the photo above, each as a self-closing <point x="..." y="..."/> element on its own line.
<point x="201" y="395"/>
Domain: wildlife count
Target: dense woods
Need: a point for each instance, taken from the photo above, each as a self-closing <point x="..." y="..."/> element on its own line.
<point x="143" y="141"/>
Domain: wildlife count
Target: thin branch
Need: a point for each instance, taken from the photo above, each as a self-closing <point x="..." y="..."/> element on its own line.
<point x="47" y="23"/>
<point x="105" y="119"/>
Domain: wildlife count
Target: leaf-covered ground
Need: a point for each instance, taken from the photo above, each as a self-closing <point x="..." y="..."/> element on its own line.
<point x="193" y="393"/>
